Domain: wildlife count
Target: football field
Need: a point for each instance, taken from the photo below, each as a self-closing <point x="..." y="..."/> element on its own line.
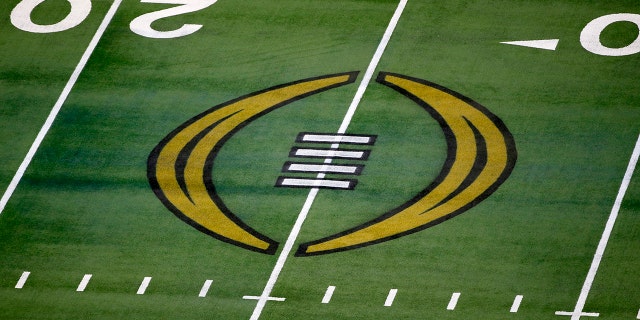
<point x="354" y="159"/>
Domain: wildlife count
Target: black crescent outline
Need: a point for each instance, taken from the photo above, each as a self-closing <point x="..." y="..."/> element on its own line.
<point x="153" y="157"/>
<point x="451" y="152"/>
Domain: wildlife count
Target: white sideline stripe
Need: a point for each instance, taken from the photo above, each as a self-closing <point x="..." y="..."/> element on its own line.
<point x="57" y="106"/>
<point x="638" y="316"/>
<point x="336" y="138"/>
<point x="205" y="288"/>
<point x="330" y="153"/>
<point x="315" y="183"/>
<point x="454" y="301"/>
<point x="144" y="285"/>
<point x="602" y="245"/>
<point x="83" y="284"/>
<point x="516" y="304"/>
<point x="22" y="280"/>
<point x="303" y="167"/>
<point x="288" y="246"/>
<point x="328" y="294"/>
<point x="390" y="297"/>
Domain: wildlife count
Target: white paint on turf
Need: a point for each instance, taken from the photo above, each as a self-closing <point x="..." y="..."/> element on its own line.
<point x="288" y="246"/>
<point x="328" y="294"/>
<point x="143" y="286"/>
<point x="454" y="301"/>
<point x="83" y="284"/>
<point x="516" y="304"/>
<point x="390" y="297"/>
<point x="548" y="44"/>
<point x="58" y="105"/>
<point x="602" y="245"/>
<point x="205" y="288"/>
<point x="22" y="280"/>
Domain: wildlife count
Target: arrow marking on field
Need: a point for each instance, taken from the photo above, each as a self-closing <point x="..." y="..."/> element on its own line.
<point x="549" y="44"/>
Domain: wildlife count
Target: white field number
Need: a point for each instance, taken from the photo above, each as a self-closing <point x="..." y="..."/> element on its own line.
<point x="590" y="35"/>
<point x="80" y="9"/>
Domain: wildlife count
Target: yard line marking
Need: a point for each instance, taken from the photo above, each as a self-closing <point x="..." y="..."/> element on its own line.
<point x="313" y="167"/>
<point x="144" y="285"/>
<point x="390" y="297"/>
<point x="83" y="284"/>
<point x="205" y="288"/>
<point x="335" y="138"/>
<point x="454" y="301"/>
<point x="638" y="316"/>
<point x="602" y="245"/>
<point x="22" y="280"/>
<point x="581" y="314"/>
<point x="259" y="297"/>
<point x="328" y="294"/>
<point x="516" y="304"/>
<point x="316" y="183"/>
<point x="288" y="246"/>
<point x="57" y="106"/>
<point x="329" y="153"/>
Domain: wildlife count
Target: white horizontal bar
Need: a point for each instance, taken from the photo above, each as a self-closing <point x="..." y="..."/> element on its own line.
<point x="579" y="314"/>
<point x="333" y="168"/>
<point x="316" y="183"/>
<point x="258" y="298"/>
<point x="335" y="138"/>
<point x="321" y="153"/>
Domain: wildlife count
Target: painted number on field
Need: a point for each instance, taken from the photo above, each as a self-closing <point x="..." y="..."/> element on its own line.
<point x="142" y="24"/>
<point x="590" y="35"/>
<point x="21" y="16"/>
<point x="80" y="9"/>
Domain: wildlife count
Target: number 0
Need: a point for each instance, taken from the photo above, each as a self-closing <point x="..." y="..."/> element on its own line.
<point x="21" y="16"/>
<point x="590" y="36"/>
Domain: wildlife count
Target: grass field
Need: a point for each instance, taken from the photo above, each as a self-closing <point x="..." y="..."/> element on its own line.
<point x="84" y="205"/>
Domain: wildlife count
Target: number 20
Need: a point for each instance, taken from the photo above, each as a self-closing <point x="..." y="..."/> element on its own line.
<point x="21" y="17"/>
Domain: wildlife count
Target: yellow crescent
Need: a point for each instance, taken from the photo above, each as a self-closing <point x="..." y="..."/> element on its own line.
<point x="179" y="168"/>
<point x="481" y="155"/>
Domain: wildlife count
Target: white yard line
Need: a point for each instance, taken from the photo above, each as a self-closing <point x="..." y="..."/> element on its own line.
<point x="22" y="280"/>
<point x="288" y="246"/>
<point x="597" y="258"/>
<point x="57" y="106"/>
<point x="454" y="301"/>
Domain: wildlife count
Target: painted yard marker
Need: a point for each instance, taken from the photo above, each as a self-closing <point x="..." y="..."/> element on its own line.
<point x="549" y="44"/>
<point x="516" y="304"/>
<point x="58" y="105"/>
<point x="454" y="301"/>
<point x="328" y="294"/>
<point x="390" y="297"/>
<point x="144" y="285"/>
<point x="638" y="316"/>
<point x="602" y="245"/>
<point x="205" y="288"/>
<point x="83" y="284"/>
<point x="293" y="235"/>
<point x="22" y="280"/>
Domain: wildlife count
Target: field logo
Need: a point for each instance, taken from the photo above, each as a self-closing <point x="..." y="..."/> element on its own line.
<point x="481" y="154"/>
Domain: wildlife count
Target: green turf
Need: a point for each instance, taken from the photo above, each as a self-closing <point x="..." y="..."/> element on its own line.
<point x="85" y="206"/>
